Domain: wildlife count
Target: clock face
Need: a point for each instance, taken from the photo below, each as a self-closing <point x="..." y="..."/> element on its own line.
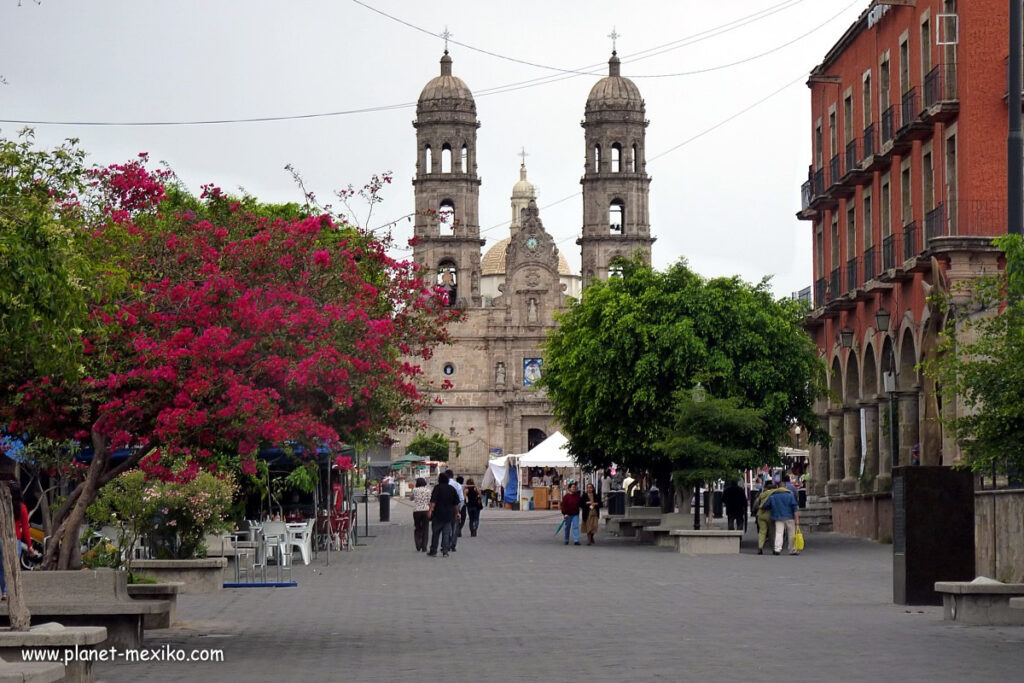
<point x="531" y="243"/>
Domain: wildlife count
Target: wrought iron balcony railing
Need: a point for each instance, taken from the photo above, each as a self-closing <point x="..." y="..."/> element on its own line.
<point x="869" y="141"/>
<point x="851" y="275"/>
<point x="940" y="85"/>
<point x="888" y="252"/>
<point x="870" y="265"/>
<point x="888" y="124"/>
<point x="910" y="241"/>
<point x="935" y="223"/>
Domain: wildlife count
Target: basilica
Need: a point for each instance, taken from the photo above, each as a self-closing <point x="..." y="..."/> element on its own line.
<point x="510" y="295"/>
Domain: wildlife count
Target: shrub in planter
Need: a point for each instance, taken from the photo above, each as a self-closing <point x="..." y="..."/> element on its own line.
<point x="185" y="512"/>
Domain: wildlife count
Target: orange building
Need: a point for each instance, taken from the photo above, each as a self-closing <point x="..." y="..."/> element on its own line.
<point x="906" y="187"/>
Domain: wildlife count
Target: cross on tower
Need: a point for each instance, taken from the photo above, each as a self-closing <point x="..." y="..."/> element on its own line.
<point x="522" y="155"/>
<point x="446" y="35"/>
<point x="614" y="35"/>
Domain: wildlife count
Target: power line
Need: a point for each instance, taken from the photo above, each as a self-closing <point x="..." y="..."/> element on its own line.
<point x="562" y="75"/>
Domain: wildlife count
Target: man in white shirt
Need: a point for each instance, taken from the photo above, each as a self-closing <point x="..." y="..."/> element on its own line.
<point x="462" y="507"/>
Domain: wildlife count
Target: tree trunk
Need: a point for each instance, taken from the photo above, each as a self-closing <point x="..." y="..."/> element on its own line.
<point x="17" y="611"/>
<point x="71" y="514"/>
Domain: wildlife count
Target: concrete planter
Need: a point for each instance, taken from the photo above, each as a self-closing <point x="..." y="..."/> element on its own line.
<point x="197" y="576"/>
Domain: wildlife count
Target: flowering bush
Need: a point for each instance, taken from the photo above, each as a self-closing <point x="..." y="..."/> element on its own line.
<point x="175" y="515"/>
<point x="185" y="512"/>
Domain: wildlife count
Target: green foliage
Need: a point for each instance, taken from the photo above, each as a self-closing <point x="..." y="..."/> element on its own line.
<point x="712" y="439"/>
<point x="621" y="356"/>
<point x="981" y="363"/>
<point x="303" y="478"/>
<point x="123" y="503"/>
<point x="43" y="257"/>
<point x="433" y="447"/>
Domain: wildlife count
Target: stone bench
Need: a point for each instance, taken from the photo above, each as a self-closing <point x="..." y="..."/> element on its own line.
<point x="1016" y="603"/>
<point x="983" y="601"/>
<point x="52" y="636"/>
<point x="88" y="598"/>
<point x="706" y="541"/>
<point x="31" y="672"/>
<point x="628" y="526"/>
<point x="158" y="591"/>
<point x="658" y="535"/>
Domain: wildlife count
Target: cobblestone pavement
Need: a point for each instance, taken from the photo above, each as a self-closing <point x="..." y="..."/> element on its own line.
<point x="515" y="604"/>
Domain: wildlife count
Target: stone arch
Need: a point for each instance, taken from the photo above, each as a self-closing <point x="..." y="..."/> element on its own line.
<point x="464" y="161"/>
<point x="428" y="160"/>
<point x="616" y="157"/>
<point x="851" y="384"/>
<point x="597" y="158"/>
<point x="835" y="383"/>
<point x="907" y="371"/>
<point x="446" y="217"/>
<point x="634" y="159"/>
<point x="446" y="158"/>
<point x="617" y="216"/>
<point x="869" y="375"/>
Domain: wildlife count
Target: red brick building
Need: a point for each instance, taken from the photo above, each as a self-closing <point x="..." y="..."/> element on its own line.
<point x="906" y="187"/>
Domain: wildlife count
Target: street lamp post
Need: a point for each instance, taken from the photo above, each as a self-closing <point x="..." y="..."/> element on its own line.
<point x="698" y="397"/>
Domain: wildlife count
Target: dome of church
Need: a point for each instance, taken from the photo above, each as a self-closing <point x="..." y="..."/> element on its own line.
<point x="614" y="91"/>
<point x="447" y="91"/>
<point x="493" y="262"/>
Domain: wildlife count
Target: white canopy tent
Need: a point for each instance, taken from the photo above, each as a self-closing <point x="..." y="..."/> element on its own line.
<point x="551" y="452"/>
<point x="496" y="475"/>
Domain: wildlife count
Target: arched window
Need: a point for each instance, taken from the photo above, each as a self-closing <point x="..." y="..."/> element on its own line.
<point x="615" y="270"/>
<point x="446" y="217"/>
<point x="597" y="158"/>
<point x="428" y="160"/>
<point x="616" y="158"/>
<point x="616" y="216"/>
<point x="446" y="158"/>
<point x="448" y="280"/>
<point x="465" y="159"/>
<point x="632" y="162"/>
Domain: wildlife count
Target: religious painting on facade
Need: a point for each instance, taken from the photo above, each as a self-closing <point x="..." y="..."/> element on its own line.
<point x="531" y="371"/>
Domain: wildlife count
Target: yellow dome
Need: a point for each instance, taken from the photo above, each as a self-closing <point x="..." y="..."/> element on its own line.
<point x="494" y="260"/>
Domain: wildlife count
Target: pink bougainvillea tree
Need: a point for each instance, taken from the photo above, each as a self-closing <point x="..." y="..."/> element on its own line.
<point x="223" y="325"/>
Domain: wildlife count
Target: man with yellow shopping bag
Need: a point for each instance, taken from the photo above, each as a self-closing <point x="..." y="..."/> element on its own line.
<point x="785" y="515"/>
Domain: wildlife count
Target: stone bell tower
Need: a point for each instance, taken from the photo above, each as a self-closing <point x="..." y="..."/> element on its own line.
<point x="615" y="181"/>
<point x="447" y="188"/>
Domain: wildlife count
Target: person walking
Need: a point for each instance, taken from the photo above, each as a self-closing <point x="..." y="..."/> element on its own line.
<point x="457" y="485"/>
<point x="474" y="503"/>
<point x="420" y="510"/>
<point x="443" y="514"/>
<point x="590" y="507"/>
<point x="570" y="508"/>
<point x="785" y="516"/>
<point x="764" y="515"/>
<point x="735" y="501"/>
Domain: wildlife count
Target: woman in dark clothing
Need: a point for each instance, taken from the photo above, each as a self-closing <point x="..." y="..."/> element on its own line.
<point x="590" y="505"/>
<point x="474" y="503"/>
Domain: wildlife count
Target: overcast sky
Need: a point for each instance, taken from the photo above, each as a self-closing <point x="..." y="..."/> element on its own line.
<point x="725" y="201"/>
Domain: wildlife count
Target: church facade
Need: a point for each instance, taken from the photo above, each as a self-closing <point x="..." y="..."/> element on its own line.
<point x="508" y="297"/>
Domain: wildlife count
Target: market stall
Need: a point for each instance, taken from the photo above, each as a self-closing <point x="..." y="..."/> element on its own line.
<point x="545" y="471"/>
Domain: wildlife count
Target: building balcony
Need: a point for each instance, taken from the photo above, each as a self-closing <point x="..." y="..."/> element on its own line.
<point x="935" y="223"/>
<point x="870" y="264"/>
<point x="819" y="292"/>
<point x="855" y="174"/>
<point x="941" y="97"/>
<point x="887" y="131"/>
<point x="851" y="275"/>
<point x="888" y="252"/>
<point x="911" y="246"/>
<point x="820" y="197"/>
<point x="834" y="282"/>
<point x="977" y="217"/>
<point x="871" y="158"/>
<point x="911" y="127"/>
<point x="838" y="187"/>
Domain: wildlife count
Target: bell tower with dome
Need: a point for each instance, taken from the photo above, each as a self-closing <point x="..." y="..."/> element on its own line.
<point x="447" y="188"/>
<point x="615" y="181"/>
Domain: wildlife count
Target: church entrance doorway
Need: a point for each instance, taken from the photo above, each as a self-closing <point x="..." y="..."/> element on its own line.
<point x="534" y="437"/>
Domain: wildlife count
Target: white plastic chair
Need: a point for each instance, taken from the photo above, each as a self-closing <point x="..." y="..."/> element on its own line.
<point x="302" y="538"/>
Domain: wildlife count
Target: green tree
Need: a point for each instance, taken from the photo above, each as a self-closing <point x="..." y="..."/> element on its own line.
<point x="621" y="356"/>
<point x="47" y="270"/>
<point x="980" y="362"/>
<point x="432" y="447"/>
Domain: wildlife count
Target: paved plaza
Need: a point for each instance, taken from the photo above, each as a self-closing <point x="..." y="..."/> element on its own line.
<point x="515" y="604"/>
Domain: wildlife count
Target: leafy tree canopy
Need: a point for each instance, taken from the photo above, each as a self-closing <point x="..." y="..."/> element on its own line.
<point x="432" y="447"/>
<point x="617" y="364"/>
<point x="981" y="364"/>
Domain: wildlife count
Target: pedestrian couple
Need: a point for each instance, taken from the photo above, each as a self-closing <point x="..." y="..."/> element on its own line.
<point x="450" y="503"/>
<point x="777" y="508"/>
<point x="580" y="510"/>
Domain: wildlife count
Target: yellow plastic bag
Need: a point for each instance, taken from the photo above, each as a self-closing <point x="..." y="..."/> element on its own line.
<point x="798" y="540"/>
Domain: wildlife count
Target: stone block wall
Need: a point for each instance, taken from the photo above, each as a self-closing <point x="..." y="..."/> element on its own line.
<point x="866" y="516"/>
<point x="999" y="534"/>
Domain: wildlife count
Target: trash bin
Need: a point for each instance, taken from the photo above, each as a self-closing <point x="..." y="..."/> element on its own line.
<point x="802" y="498"/>
<point x="385" y="507"/>
<point x="616" y="502"/>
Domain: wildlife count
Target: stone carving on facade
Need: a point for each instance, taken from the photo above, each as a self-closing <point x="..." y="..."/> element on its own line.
<point x="499" y="374"/>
